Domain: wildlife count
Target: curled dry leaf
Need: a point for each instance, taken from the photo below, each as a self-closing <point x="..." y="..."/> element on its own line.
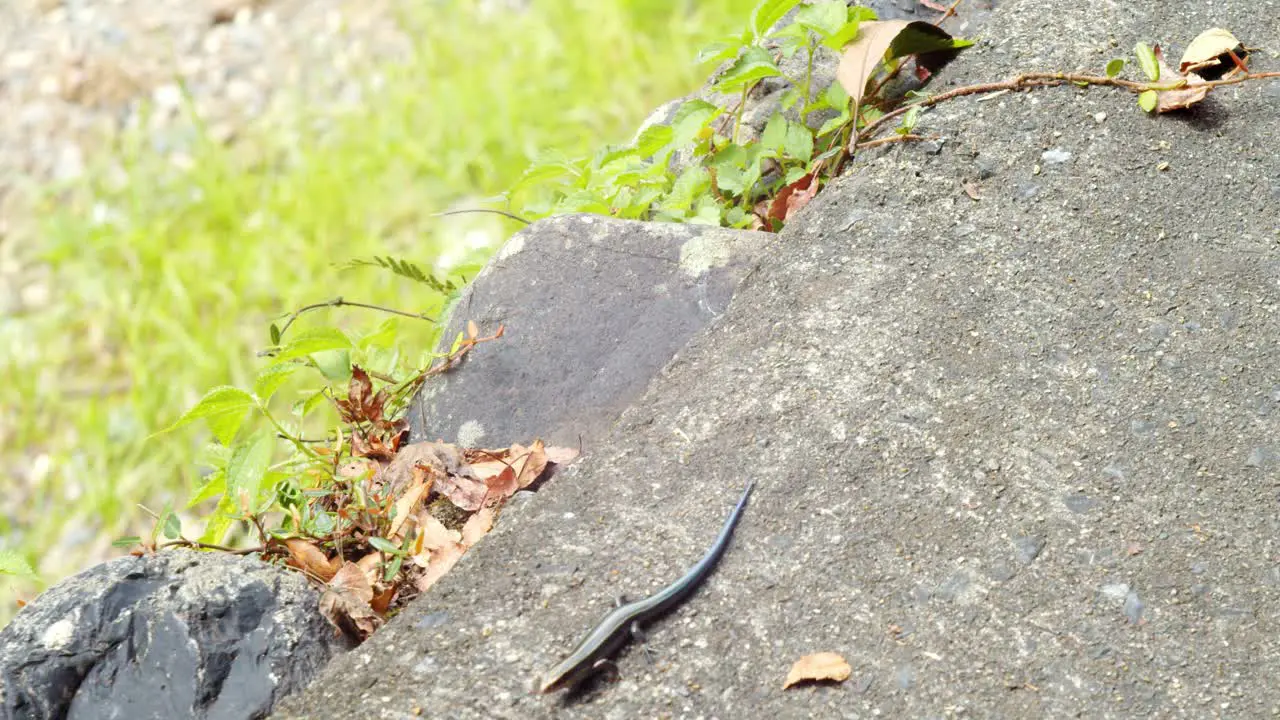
<point x="1209" y="54"/>
<point x="345" y="602"/>
<point x="530" y="465"/>
<point x="307" y="557"/>
<point x="819" y="666"/>
<point x="932" y="45"/>
<point x="405" y="507"/>
<point x="1192" y="92"/>
<point x="500" y="487"/>
<point x="793" y="197"/>
<point x="432" y="535"/>
<point x="561" y="455"/>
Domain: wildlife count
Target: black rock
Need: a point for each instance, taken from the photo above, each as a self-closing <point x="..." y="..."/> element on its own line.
<point x="178" y="634"/>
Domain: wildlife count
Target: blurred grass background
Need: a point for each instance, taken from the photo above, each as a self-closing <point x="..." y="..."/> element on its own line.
<point x="162" y="286"/>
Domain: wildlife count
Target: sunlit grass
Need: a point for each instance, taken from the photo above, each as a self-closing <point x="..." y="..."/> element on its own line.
<point x="162" y="286"/>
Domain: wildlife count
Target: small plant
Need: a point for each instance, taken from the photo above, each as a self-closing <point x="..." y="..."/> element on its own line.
<point x="702" y="167"/>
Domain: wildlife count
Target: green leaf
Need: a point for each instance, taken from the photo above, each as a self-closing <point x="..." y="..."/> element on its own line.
<point x="706" y="211"/>
<point x="753" y="65"/>
<point x="215" y="531"/>
<point x="845" y="35"/>
<point x="689" y="120"/>
<point x="775" y="134"/>
<point x="835" y="122"/>
<point x="223" y="409"/>
<point x="767" y="13"/>
<point x="127" y="542"/>
<point x="335" y="365"/>
<point x="693" y="182"/>
<point x="1147" y="100"/>
<point x="919" y="38"/>
<point x="314" y="340"/>
<point x="909" y="120"/>
<point x="721" y="50"/>
<point x="11" y="563"/>
<point x="799" y="142"/>
<point x="304" y="408"/>
<point x="270" y="379"/>
<point x="384" y="336"/>
<point x="214" y="486"/>
<point x="393" y="568"/>
<point x="1114" y="67"/>
<point x="172" y="526"/>
<point x="1147" y="61"/>
<point x="825" y="17"/>
<point x="653" y="139"/>
<point x="249" y="461"/>
<point x="730" y="166"/>
<point x="275" y="334"/>
<point x="385" y="546"/>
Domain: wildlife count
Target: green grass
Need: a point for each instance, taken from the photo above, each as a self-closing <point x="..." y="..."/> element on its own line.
<point x="173" y="295"/>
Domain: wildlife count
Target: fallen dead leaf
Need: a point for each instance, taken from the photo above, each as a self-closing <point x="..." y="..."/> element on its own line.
<point x="819" y="666"/>
<point x="500" y="487"/>
<point x="305" y="556"/>
<point x="345" y="602"/>
<point x="478" y="525"/>
<point x="405" y="507"/>
<point x="862" y="57"/>
<point x="531" y="465"/>
<point x="442" y="561"/>
<point x="971" y="189"/>
<point x="1178" y="98"/>
<point x="432" y="535"/>
<point x="1209" y="54"/>
<point x="562" y="455"/>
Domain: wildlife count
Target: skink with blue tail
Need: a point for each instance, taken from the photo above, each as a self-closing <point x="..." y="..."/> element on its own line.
<point x="620" y="625"/>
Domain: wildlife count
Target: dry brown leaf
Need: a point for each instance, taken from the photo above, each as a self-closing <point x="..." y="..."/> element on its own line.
<point x="442" y="561"/>
<point x="405" y="508"/>
<point x="467" y="493"/>
<point x="308" y="557"/>
<point x="561" y="455"/>
<point x="369" y="565"/>
<point x="972" y="190"/>
<point x="1211" y="51"/>
<point x="478" y="525"/>
<point x="432" y="535"/>
<point x="382" y="601"/>
<point x="531" y="466"/>
<point x="345" y="602"/>
<point x="473" y="332"/>
<point x="500" y="487"/>
<point x="1177" y="99"/>
<point x="439" y="458"/>
<point x="819" y="666"/>
<point x="861" y="58"/>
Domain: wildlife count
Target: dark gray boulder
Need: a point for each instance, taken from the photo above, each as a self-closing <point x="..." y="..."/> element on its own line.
<point x="178" y="634"/>
<point x="593" y="309"/>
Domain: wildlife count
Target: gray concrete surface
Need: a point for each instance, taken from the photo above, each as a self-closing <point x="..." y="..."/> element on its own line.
<point x="1017" y="457"/>
<point x="592" y="308"/>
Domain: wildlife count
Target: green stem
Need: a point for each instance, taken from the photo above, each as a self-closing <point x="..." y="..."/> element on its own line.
<point x="737" y="116"/>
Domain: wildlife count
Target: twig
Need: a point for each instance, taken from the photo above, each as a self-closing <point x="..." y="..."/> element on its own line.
<point x="466" y="211"/>
<point x="183" y="542"/>
<point x="339" y="302"/>
<point x="887" y="140"/>
<point x="1030" y="80"/>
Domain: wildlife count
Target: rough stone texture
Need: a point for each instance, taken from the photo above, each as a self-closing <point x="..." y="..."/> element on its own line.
<point x="174" y="635"/>
<point x="593" y="309"/>
<point x="1017" y="457"/>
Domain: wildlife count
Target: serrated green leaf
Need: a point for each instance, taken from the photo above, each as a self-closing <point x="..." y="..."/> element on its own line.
<point x="223" y="409"/>
<point x="825" y="17"/>
<point x="719" y="51"/>
<point x="798" y="143"/>
<point x="775" y="134"/>
<point x="1147" y="61"/>
<point x="1147" y="100"/>
<point x="1114" y="67"/>
<point x="172" y="526"/>
<point x="214" y="485"/>
<point x="215" y="531"/>
<point x="249" y="461"/>
<point x="314" y="340"/>
<point x="653" y="139"/>
<point x="847" y="32"/>
<point x="304" y="408"/>
<point x="689" y="120"/>
<point x="835" y="122"/>
<point x="11" y="563"/>
<point x="767" y="13"/>
<point x="270" y="379"/>
<point x="753" y="65"/>
<point x="692" y="182"/>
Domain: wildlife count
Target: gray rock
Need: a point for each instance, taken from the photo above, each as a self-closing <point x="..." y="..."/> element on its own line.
<point x="178" y="634"/>
<point x="593" y="309"/>
<point x="882" y="386"/>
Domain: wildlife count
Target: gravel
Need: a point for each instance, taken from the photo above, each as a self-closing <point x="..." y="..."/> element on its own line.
<point x="74" y="74"/>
